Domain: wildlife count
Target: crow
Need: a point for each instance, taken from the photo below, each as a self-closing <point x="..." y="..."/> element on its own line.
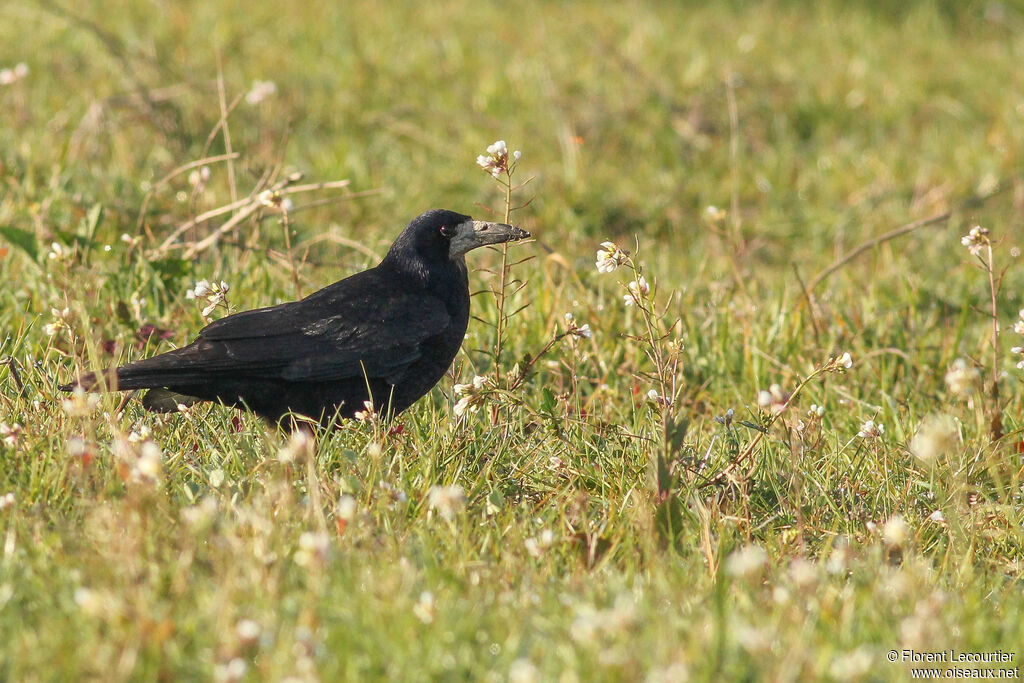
<point x="386" y="335"/>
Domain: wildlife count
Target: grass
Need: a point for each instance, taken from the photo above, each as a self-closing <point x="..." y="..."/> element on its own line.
<point x="590" y="545"/>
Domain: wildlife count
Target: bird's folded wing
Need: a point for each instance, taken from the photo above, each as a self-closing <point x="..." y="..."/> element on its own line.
<point x="374" y="336"/>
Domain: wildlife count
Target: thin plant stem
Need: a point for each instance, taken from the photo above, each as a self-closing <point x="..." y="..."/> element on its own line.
<point x="499" y="341"/>
<point x="996" y="424"/>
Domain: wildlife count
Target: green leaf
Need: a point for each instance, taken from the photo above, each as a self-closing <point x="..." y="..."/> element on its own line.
<point x="675" y="433"/>
<point x="171" y="270"/>
<point x="547" y="400"/>
<point x="23" y="239"/>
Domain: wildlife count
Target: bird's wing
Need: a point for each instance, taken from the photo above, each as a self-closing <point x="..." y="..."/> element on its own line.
<point x="376" y="335"/>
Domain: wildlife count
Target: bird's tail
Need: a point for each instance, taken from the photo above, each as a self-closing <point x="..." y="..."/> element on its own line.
<point x="165" y="370"/>
<point x="151" y="373"/>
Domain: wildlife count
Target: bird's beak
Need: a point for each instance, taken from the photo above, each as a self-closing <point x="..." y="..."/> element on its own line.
<point x="473" y="234"/>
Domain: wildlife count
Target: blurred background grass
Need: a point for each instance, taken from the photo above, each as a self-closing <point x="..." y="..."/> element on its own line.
<point x="816" y="126"/>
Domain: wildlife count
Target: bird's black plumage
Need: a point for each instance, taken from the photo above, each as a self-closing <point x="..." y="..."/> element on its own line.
<point x="387" y="334"/>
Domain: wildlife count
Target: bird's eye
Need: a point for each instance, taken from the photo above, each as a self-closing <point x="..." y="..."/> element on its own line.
<point x="446" y="231"/>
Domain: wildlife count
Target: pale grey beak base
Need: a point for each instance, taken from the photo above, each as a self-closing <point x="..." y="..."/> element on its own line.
<point x="473" y="234"/>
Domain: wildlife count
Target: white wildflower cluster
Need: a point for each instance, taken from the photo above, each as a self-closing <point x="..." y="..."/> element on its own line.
<point x="775" y="399"/>
<point x="59" y="322"/>
<point x="248" y="631"/>
<point x="314" y="549"/>
<point x="425" y="608"/>
<point x="937" y="436"/>
<point x="871" y="430"/>
<point x="713" y="214"/>
<point x="346" y="508"/>
<point x="231" y="671"/>
<point x="299" y="447"/>
<point x="497" y="160"/>
<point x="638" y="291"/>
<point x="853" y="665"/>
<point x="610" y="257"/>
<point x="80" y="403"/>
<point x="197" y="179"/>
<point x="575" y="329"/>
<point x="275" y="200"/>
<point x="895" y="531"/>
<point x="11" y="75"/>
<point x="260" y="91"/>
<point x="591" y="624"/>
<point x="538" y="545"/>
<point x="814" y="415"/>
<point x="657" y="399"/>
<point x="1018" y="327"/>
<point x="142" y="458"/>
<point x="9" y="434"/>
<point x="215" y="293"/>
<point x="368" y="414"/>
<point x="840" y="363"/>
<point x="471" y="396"/>
<point x="747" y="561"/>
<point x="446" y="500"/>
<point x="7" y="500"/>
<point x="58" y="252"/>
<point x="962" y="378"/>
<point x="976" y="240"/>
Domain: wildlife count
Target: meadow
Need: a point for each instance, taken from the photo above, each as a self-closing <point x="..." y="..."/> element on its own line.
<point x="772" y="431"/>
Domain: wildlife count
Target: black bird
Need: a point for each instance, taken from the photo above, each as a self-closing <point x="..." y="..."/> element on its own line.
<point x="387" y="335"/>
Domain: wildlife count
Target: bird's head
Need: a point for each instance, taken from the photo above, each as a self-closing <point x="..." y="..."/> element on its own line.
<point x="442" y="236"/>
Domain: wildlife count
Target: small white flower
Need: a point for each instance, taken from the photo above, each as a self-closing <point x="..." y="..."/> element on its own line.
<point x="7" y="500"/>
<point x="368" y="414"/>
<point x="803" y="572"/>
<point x="260" y="91"/>
<point x="80" y="404"/>
<point x="870" y="430"/>
<point x="9" y="434"/>
<point x="150" y="463"/>
<point x="14" y="74"/>
<point x="464" y="405"/>
<point x="248" y="631"/>
<point x="201" y="289"/>
<point x="610" y="257"/>
<point x="89" y="601"/>
<point x="937" y="436"/>
<point x="976" y="240"/>
<point x="346" y="508"/>
<point x="446" y="500"/>
<point x="937" y="517"/>
<point x="233" y="671"/>
<point x="300" y="446"/>
<point x="962" y="379"/>
<point x="714" y="214"/>
<point x="583" y="331"/>
<point x="852" y="665"/>
<point x="638" y="291"/>
<point x="816" y="411"/>
<point x="425" y="608"/>
<point x="774" y="399"/>
<point x="313" y="548"/>
<point x="497" y="161"/>
<point x="896" y="531"/>
<point x="654" y="397"/>
<point x="746" y="561"/>
<point x="58" y="252"/>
